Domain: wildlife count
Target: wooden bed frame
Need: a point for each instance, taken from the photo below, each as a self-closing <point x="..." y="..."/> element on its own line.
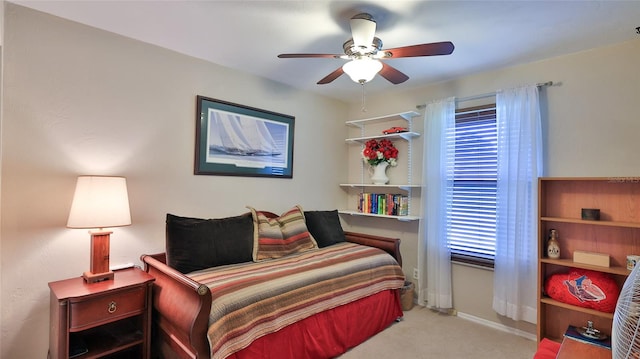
<point x="181" y="306"/>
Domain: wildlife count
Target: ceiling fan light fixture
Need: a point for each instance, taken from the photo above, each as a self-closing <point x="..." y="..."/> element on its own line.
<point x="362" y="70"/>
<point x="364" y="49"/>
<point x="363" y="29"/>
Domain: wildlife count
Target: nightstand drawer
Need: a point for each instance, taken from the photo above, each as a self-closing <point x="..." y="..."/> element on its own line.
<point x="106" y="308"/>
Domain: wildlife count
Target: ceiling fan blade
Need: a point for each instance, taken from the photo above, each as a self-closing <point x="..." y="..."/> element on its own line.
<point x="294" y="56"/>
<point x="432" y="49"/>
<point x="363" y="28"/>
<point x="332" y="76"/>
<point x="392" y="75"/>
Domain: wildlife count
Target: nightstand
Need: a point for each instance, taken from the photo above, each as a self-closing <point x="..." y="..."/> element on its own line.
<point x="94" y="320"/>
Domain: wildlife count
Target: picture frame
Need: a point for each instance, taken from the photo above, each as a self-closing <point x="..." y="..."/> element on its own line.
<point x="238" y="140"/>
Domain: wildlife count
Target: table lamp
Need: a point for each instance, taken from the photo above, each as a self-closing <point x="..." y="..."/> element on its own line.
<point x="99" y="202"/>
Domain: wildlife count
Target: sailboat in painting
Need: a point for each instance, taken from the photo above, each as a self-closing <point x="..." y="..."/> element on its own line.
<point x="240" y="135"/>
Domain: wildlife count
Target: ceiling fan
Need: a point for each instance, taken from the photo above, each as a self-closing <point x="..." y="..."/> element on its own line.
<point x="364" y="51"/>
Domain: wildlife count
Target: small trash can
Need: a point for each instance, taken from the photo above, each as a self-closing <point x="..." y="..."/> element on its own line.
<point x="406" y="295"/>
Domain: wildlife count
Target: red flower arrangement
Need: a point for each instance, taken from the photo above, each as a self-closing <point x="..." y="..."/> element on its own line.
<point x="375" y="152"/>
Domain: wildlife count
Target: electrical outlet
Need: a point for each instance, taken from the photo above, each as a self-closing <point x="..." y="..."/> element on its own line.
<point x="415" y="273"/>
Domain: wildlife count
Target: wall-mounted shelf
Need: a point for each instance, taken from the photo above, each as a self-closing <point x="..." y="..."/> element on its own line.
<point x="373" y="132"/>
<point x="400" y="135"/>
<point x="407" y="116"/>
<point x="399" y="218"/>
<point x="404" y="187"/>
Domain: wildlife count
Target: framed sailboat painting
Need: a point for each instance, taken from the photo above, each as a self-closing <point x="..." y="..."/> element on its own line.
<point x="237" y="140"/>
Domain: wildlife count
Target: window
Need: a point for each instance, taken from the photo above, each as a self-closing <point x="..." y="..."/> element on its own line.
<point x="472" y="216"/>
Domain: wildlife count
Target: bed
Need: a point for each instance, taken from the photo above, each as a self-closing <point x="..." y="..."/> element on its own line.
<point x="313" y="304"/>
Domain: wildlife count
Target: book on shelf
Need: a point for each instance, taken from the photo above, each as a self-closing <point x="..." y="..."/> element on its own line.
<point x="383" y="203"/>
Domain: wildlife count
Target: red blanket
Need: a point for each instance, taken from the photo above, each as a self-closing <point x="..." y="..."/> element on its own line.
<point x="251" y="300"/>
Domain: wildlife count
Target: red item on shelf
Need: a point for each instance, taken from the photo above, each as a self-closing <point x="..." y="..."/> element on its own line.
<point x="584" y="288"/>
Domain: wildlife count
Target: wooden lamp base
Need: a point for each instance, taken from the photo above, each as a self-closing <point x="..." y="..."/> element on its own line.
<point x="99" y="258"/>
<point x="97" y="277"/>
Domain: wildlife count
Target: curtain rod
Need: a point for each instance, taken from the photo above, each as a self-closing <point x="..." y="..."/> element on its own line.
<point x="484" y="95"/>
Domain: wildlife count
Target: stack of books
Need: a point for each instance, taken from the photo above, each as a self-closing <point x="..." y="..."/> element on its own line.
<point x="383" y="203"/>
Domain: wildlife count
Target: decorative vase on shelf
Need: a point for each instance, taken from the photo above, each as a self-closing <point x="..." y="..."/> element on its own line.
<point x="379" y="175"/>
<point x="553" y="247"/>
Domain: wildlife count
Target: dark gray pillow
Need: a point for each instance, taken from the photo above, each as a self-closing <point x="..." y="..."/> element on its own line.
<point x="325" y="227"/>
<point x="195" y="243"/>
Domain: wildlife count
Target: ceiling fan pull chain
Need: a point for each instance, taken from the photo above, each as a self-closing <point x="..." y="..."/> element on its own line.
<point x="363" y="98"/>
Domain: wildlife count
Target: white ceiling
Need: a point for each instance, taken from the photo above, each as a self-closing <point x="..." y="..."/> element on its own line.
<point x="248" y="35"/>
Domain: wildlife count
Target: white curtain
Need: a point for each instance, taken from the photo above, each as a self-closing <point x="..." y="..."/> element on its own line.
<point x="519" y="166"/>
<point x="434" y="258"/>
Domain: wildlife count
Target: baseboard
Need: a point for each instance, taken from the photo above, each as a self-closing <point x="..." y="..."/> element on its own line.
<point x="486" y="323"/>
<point x="498" y="326"/>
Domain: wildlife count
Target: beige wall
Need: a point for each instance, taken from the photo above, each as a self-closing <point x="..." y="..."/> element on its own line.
<point x="591" y="128"/>
<point x="83" y="101"/>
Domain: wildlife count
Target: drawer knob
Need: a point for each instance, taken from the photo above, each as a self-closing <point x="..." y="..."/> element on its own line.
<point x="112" y="308"/>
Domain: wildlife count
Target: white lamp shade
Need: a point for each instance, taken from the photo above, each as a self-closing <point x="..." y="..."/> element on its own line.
<point x="100" y="202"/>
<point x="362" y="70"/>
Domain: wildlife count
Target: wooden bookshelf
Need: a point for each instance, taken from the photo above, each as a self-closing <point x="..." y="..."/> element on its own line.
<point x="617" y="234"/>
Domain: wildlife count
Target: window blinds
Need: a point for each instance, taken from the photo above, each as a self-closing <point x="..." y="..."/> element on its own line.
<point x="472" y="216"/>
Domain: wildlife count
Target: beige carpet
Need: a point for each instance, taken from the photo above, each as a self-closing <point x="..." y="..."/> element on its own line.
<point x="427" y="334"/>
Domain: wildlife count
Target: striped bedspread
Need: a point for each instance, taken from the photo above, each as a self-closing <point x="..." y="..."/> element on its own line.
<point x="251" y="300"/>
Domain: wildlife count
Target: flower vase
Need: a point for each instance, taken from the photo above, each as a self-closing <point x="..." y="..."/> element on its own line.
<point x="379" y="175"/>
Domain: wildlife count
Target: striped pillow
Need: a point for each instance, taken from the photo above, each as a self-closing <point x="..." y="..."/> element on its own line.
<point x="281" y="236"/>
